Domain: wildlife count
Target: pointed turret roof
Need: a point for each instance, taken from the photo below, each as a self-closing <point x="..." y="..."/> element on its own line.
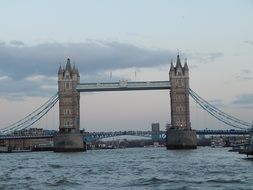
<point x="68" y="65"/>
<point x="74" y="70"/>
<point x="60" y="71"/>
<point x="186" y="68"/>
<point x="171" y="65"/>
<point x="78" y="73"/>
<point x="178" y="64"/>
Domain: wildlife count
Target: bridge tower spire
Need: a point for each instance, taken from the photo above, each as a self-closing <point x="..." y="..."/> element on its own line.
<point x="180" y="135"/>
<point x="69" y="137"/>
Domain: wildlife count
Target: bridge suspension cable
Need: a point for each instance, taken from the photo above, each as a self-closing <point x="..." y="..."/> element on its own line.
<point x="32" y="117"/>
<point x="218" y="114"/>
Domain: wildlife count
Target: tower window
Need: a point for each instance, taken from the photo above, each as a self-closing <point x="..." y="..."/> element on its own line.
<point x="68" y="122"/>
<point x="180" y="83"/>
<point x="67" y="112"/>
<point x="67" y="85"/>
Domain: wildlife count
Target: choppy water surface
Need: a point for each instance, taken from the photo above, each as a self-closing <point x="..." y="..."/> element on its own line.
<point x="137" y="168"/>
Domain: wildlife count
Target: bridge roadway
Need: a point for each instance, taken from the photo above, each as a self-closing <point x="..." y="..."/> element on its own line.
<point x="10" y="137"/>
<point x="123" y="85"/>
<point x="91" y="136"/>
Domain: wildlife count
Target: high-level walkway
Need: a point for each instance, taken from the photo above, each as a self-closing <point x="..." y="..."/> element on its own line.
<point x="123" y="85"/>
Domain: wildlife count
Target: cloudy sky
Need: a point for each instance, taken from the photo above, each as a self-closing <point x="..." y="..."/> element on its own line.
<point x="126" y="37"/>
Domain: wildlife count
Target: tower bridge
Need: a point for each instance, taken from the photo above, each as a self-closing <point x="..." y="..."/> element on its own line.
<point x="179" y="135"/>
<point x="69" y="87"/>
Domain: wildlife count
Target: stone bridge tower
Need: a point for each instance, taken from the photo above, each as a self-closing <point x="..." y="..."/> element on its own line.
<point x="69" y="137"/>
<point x="180" y="135"/>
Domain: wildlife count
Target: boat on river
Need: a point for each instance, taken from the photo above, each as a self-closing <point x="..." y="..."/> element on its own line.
<point x="217" y="143"/>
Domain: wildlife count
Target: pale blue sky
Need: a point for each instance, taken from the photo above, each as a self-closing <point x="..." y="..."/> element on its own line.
<point x="157" y="23"/>
<point x="124" y="37"/>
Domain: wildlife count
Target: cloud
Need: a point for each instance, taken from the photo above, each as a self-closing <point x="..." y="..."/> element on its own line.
<point x="244" y="75"/>
<point x="217" y="103"/>
<point x="214" y="56"/>
<point x="2" y="43"/>
<point x="244" y="100"/>
<point x="17" y="43"/>
<point x="246" y="71"/>
<point x="89" y="57"/>
<point x="3" y="78"/>
<point x="205" y="57"/>
<point x="250" y="42"/>
<point x="193" y="66"/>
<point x="40" y="78"/>
<point x="18" y="89"/>
<point x="32" y="70"/>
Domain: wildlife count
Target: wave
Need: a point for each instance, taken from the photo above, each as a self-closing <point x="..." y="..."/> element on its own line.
<point x="63" y="182"/>
<point x="150" y="181"/>
<point x="55" y="166"/>
<point x="236" y="181"/>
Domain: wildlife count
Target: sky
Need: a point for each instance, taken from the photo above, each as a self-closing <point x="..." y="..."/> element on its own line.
<point x="124" y="38"/>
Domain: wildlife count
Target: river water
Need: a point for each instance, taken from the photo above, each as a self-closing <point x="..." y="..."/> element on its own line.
<point x="132" y="168"/>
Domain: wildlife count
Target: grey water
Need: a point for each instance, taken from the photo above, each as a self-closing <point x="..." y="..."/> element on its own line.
<point x="132" y="168"/>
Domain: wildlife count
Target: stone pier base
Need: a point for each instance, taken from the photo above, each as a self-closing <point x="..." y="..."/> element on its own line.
<point x="69" y="142"/>
<point x="181" y="139"/>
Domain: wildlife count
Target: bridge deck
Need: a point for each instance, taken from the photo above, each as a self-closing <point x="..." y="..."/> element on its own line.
<point x="123" y="85"/>
<point x="99" y="135"/>
<point x="26" y="137"/>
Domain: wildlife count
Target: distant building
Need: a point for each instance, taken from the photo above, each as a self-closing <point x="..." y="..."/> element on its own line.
<point x="155" y="127"/>
<point x="155" y="131"/>
<point x="168" y="126"/>
<point x="25" y="144"/>
<point x="29" y="132"/>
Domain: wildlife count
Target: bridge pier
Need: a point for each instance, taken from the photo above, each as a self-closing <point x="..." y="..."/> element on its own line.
<point x="68" y="142"/>
<point x="180" y="135"/>
<point x="181" y="139"/>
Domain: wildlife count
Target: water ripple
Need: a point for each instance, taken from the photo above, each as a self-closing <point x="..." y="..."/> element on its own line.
<point x="136" y="168"/>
